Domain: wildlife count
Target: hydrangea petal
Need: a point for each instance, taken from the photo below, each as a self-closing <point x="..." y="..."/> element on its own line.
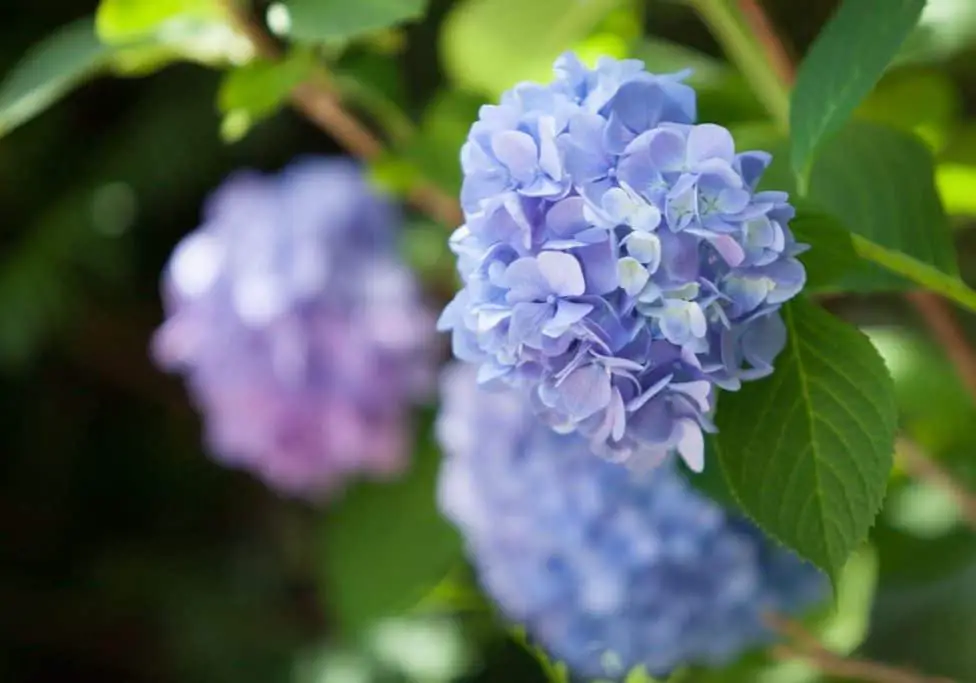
<point x="641" y="242"/>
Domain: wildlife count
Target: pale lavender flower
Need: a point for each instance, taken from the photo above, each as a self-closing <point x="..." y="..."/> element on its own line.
<point x="300" y="333"/>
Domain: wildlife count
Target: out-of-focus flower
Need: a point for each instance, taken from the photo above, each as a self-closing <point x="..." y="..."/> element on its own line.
<point x="300" y="333"/>
<point x="618" y="263"/>
<point x="605" y="568"/>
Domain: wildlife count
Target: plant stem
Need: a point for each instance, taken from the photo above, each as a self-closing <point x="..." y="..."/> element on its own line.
<point x="924" y="468"/>
<point x="317" y="101"/>
<point x="805" y="646"/>
<point x="734" y="30"/>
<point x="929" y="277"/>
<point x="938" y="315"/>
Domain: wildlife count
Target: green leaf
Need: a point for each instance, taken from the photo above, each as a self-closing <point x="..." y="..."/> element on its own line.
<point x="489" y="45"/>
<point x="555" y="672"/>
<point x="257" y="90"/>
<point x="808" y="450"/>
<point x="153" y="33"/>
<point x="128" y="20"/>
<point x="831" y="254"/>
<point x="925" y="102"/>
<point x="878" y="182"/>
<point x="326" y="20"/>
<point x="48" y="70"/>
<point x="385" y="545"/>
<point x="841" y="68"/>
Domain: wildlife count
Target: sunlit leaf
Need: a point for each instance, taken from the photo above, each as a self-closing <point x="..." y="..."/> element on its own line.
<point x="154" y="32"/>
<point x="489" y="45"/>
<point x="257" y="90"/>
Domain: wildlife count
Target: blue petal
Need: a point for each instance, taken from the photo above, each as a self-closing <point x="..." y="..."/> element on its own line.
<point x="525" y="326"/>
<point x="525" y="281"/>
<point x="710" y="141"/>
<point x="568" y="313"/>
<point x="599" y="263"/>
<point x="585" y="391"/>
<point x="565" y="218"/>
<point x="518" y="152"/>
<point x="563" y="273"/>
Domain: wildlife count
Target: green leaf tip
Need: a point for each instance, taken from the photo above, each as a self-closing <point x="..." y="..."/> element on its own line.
<point x="845" y="62"/>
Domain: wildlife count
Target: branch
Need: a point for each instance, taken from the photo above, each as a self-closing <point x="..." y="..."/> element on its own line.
<point x="773" y="46"/>
<point x="806" y="646"/>
<point x="924" y="468"/>
<point x="941" y="321"/>
<point x="318" y="102"/>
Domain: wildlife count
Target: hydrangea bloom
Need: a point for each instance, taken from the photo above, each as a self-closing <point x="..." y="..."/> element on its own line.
<point x="605" y="568"/>
<point x="301" y="335"/>
<point x="617" y="260"/>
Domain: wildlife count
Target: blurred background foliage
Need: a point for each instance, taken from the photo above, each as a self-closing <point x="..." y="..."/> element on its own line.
<point x="128" y="555"/>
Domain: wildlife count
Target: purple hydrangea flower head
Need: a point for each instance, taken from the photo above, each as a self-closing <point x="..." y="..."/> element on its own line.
<point x="300" y="333"/>
<point x="618" y="262"/>
<point x="605" y="568"/>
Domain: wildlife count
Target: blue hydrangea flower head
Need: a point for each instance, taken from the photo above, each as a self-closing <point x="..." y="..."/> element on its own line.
<point x="605" y="568"/>
<point x="618" y="262"/>
<point x="300" y="333"/>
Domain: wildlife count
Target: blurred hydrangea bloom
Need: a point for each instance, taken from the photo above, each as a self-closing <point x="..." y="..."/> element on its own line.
<point x="300" y="333"/>
<point x="605" y="568"/>
<point x="617" y="260"/>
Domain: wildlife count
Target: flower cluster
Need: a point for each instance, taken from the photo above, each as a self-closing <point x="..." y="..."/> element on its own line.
<point x="618" y="262"/>
<point x="301" y="335"/>
<point x="605" y="568"/>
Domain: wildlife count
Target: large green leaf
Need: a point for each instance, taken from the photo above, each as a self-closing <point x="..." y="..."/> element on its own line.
<point x="925" y="102"/>
<point x="831" y="254"/>
<point x="489" y="45"/>
<point x="878" y="182"/>
<point x="323" y="20"/>
<point x="808" y="450"/>
<point x="843" y="65"/>
<point x="48" y="70"/>
<point x="385" y="545"/>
